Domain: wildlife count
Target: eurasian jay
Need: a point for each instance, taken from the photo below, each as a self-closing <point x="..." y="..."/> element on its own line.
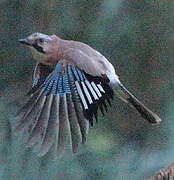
<point x="71" y="83"/>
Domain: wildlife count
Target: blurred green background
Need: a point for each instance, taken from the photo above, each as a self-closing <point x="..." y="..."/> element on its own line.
<point x="137" y="36"/>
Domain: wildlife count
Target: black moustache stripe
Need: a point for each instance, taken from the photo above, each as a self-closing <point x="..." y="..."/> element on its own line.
<point x="38" y="48"/>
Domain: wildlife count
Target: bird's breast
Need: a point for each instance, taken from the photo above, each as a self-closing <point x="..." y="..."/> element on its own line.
<point x="43" y="58"/>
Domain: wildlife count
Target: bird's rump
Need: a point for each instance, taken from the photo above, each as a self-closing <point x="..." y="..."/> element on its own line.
<point x="63" y="103"/>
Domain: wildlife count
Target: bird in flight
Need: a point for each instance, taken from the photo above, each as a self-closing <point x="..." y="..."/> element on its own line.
<point x="72" y="82"/>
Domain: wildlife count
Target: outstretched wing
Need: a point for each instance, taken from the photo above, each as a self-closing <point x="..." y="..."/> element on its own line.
<point x="63" y="102"/>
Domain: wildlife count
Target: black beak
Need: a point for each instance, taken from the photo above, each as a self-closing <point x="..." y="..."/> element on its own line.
<point x="25" y="41"/>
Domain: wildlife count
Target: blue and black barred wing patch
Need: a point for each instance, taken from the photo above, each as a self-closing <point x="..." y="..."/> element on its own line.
<point x="40" y="73"/>
<point x="61" y="107"/>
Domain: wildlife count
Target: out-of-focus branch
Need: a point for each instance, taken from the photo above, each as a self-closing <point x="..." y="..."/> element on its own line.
<point x="164" y="174"/>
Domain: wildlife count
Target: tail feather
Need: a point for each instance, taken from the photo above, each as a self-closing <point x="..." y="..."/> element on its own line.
<point x="145" y="112"/>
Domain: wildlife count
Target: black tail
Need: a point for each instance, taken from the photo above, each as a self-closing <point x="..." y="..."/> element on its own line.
<point x="146" y="113"/>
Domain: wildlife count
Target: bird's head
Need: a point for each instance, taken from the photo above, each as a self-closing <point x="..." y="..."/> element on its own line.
<point x="42" y="46"/>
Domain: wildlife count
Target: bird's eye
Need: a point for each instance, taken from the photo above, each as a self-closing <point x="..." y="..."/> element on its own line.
<point x="40" y="40"/>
